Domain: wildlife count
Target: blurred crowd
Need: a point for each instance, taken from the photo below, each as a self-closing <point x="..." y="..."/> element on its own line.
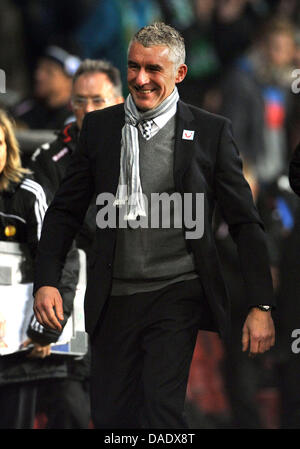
<point x="243" y="60"/>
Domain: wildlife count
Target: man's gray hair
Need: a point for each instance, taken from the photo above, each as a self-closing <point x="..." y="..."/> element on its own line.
<point x="100" y="66"/>
<point x="161" y="34"/>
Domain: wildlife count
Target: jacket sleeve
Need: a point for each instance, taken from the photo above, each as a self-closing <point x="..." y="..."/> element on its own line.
<point x="67" y="287"/>
<point x="294" y="171"/>
<point x="44" y="167"/>
<point x="34" y="205"/>
<point x="245" y="226"/>
<point x="64" y="216"/>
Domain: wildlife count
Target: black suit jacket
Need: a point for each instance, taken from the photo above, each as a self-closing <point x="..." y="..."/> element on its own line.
<point x="209" y="163"/>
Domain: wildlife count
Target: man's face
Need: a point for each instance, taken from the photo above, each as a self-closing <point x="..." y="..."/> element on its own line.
<point x="280" y="49"/>
<point x="152" y="75"/>
<point x="50" y="79"/>
<point x="92" y="91"/>
<point x="3" y="150"/>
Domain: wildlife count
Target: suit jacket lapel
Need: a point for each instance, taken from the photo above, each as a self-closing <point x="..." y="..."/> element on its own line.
<point x="184" y="148"/>
<point x="110" y="159"/>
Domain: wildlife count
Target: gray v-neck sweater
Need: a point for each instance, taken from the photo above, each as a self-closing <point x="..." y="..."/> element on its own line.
<point x="148" y="259"/>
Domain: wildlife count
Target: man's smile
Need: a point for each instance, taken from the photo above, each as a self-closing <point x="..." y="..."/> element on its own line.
<point x="143" y="91"/>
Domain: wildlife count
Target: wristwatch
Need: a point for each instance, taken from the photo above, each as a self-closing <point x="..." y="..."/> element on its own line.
<point x="264" y="308"/>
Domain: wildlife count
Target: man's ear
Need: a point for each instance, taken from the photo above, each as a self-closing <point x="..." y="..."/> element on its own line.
<point x="181" y="73"/>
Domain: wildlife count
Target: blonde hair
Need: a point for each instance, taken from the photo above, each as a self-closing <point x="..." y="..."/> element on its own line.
<point x="13" y="170"/>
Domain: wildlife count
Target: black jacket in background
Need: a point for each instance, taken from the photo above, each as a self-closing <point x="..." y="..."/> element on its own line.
<point x="49" y="164"/>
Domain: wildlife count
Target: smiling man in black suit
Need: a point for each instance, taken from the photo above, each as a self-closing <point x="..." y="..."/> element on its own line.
<point x="150" y="288"/>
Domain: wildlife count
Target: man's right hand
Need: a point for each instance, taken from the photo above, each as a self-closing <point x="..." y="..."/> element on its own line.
<point x="48" y="307"/>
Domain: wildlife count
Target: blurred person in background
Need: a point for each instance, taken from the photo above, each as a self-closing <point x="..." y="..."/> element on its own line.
<point x="49" y="108"/>
<point x="95" y="85"/>
<point x="220" y="32"/>
<point x="22" y="208"/>
<point x="257" y="98"/>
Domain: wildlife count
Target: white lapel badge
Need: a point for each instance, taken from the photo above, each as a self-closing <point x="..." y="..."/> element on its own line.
<point x="188" y="134"/>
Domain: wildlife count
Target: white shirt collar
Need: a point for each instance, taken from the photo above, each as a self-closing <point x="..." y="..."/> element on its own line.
<point x="160" y="121"/>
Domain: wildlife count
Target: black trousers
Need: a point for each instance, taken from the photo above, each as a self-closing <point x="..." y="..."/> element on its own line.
<point x="141" y="356"/>
<point x="18" y="405"/>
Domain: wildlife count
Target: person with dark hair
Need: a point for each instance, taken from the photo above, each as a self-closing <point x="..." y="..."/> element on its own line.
<point x="261" y="79"/>
<point x="152" y="284"/>
<point x="101" y="76"/>
<point x="49" y="107"/>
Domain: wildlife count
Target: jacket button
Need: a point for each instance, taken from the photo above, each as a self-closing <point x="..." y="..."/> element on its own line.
<point x="109" y="265"/>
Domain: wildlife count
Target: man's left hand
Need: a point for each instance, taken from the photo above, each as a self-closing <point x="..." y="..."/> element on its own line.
<point x="258" y="332"/>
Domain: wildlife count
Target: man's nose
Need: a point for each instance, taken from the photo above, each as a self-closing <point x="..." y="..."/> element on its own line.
<point x="89" y="106"/>
<point x="142" y="77"/>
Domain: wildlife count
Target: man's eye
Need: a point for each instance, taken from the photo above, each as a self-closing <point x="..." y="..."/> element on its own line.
<point x="98" y="101"/>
